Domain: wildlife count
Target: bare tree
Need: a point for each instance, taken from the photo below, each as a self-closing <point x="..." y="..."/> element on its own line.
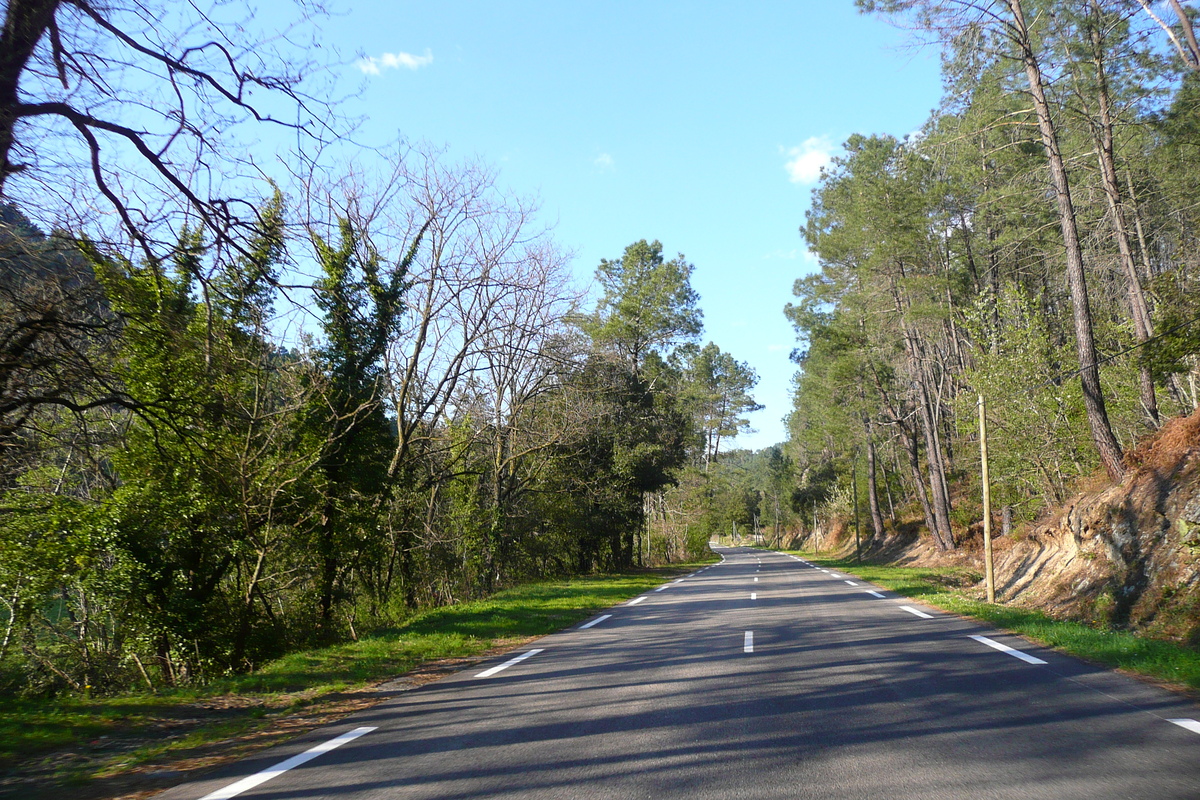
<point x="522" y="367"/>
<point x="473" y="352"/>
<point x="131" y="109"/>
<point x="473" y="264"/>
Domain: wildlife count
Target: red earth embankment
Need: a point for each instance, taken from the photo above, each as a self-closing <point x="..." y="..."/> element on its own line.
<point x="1124" y="555"/>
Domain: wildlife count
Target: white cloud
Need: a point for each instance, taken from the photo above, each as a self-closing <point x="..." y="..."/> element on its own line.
<point x="604" y="161"/>
<point x="804" y="163"/>
<point x="780" y="253"/>
<point x="373" y="65"/>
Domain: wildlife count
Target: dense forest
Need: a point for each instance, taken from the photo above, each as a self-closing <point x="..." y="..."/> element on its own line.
<point x="1031" y="249"/>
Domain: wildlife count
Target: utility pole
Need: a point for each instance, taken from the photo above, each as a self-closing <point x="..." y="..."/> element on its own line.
<point x="854" y="491"/>
<point x="987" y="504"/>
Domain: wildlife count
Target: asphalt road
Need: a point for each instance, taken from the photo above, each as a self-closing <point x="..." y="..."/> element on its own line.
<point x="760" y="677"/>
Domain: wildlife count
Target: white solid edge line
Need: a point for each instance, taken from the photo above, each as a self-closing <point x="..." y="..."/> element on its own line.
<point x="596" y="621"/>
<point x="852" y="583"/>
<point x="874" y="593"/>
<point x="917" y="612"/>
<point x="748" y="645"/>
<point x="487" y="673"/>
<point x="249" y="782"/>
<point x="1003" y="648"/>
<point x="636" y="600"/>
<point x="1190" y="724"/>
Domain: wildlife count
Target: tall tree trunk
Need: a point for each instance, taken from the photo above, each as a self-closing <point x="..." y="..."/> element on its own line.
<point x="937" y="469"/>
<point x="1143" y="250"/>
<point x="911" y="447"/>
<point x="1188" y="50"/>
<point x="329" y="569"/>
<point x="914" y="462"/>
<point x="1142" y="326"/>
<point x="940" y="527"/>
<point x="245" y="612"/>
<point x="887" y="486"/>
<point x="1189" y="33"/>
<point x="873" y="486"/>
<point x="1107" y="446"/>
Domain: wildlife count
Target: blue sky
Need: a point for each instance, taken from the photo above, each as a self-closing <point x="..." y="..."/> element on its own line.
<point x="702" y="125"/>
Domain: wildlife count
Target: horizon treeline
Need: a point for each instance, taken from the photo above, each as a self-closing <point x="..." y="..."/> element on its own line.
<point x="208" y="460"/>
<point x="1034" y="245"/>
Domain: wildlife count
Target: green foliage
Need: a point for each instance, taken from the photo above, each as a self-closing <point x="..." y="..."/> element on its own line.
<point x="1039" y="423"/>
<point x="648" y="304"/>
<point x="942" y="274"/>
<point x="361" y="309"/>
<point x="468" y="629"/>
<point x="635" y="449"/>
<point x="1174" y="352"/>
<point x="229" y="501"/>
<point x="716" y="391"/>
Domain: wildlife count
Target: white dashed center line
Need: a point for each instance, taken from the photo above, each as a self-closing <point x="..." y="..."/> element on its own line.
<point x="1190" y="724"/>
<point x="748" y="646"/>
<point x="852" y="583"/>
<point x="916" y="612"/>
<point x="756" y="579"/>
<point x="636" y="600"/>
<point x="596" y="621"/>
<point x="754" y="595"/>
<point x="245" y="784"/>
<point x="487" y="673"/>
<point x="834" y="575"/>
<point x="1003" y="648"/>
<point x="659" y="589"/>
<point x="874" y="594"/>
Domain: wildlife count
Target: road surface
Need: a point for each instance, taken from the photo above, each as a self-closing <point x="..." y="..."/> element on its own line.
<point x="760" y="677"/>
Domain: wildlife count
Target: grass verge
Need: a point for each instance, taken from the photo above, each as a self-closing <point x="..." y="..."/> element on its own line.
<point x="1163" y="661"/>
<point x="77" y="740"/>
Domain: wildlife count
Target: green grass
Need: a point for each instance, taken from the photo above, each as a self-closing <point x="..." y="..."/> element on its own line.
<point x="940" y="587"/>
<point x="29" y="728"/>
<point x="450" y="632"/>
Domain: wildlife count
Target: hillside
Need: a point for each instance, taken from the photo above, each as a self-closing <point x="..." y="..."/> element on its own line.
<point x="1123" y="555"/>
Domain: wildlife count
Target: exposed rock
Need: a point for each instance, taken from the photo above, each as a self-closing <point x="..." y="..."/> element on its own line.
<point x="1126" y="555"/>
